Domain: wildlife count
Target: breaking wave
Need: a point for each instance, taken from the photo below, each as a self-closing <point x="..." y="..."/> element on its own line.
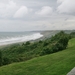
<point x="10" y="40"/>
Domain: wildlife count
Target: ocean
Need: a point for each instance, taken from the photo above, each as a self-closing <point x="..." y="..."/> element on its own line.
<point x="15" y="37"/>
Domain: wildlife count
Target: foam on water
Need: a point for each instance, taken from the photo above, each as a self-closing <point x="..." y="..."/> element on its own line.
<point x="22" y="38"/>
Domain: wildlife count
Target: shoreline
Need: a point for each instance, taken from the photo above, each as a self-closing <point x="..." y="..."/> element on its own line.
<point x="46" y="34"/>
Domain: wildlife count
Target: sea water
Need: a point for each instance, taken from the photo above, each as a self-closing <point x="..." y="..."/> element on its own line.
<point x="15" y="37"/>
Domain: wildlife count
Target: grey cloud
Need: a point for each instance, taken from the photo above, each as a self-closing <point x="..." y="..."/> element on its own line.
<point x="46" y="10"/>
<point x="7" y="9"/>
<point x="21" y="12"/>
<point x="20" y="15"/>
<point x="66" y="6"/>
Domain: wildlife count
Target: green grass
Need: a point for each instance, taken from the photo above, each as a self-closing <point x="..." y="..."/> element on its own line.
<point x="59" y="63"/>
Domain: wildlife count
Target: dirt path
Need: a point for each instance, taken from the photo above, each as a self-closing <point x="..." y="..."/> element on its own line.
<point x="72" y="72"/>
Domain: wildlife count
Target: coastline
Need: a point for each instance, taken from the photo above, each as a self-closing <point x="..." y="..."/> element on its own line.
<point x="46" y="34"/>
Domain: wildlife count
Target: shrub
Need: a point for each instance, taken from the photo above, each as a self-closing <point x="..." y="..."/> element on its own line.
<point x="27" y="43"/>
<point x="46" y="51"/>
<point x="6" y="61"/>
<point x="0" y="58"/>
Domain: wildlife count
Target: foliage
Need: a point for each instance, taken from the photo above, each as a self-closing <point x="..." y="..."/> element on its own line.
<point x="59" y="63"/>
<point x="26" y="51"/>
<point x="27" y="43"/>
<point x="0" y="58"/>
<point x="72" y="34"/>
<point x="58" y="43"/>
<point x="6" y="61"/>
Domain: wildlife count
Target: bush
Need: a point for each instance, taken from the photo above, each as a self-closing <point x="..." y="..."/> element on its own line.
<point x="45" y="44"/>
<point x="0" y="58"/>
<point x="46" y="51"/>
<point x="72" y="34"/>
<point x="6" y="61"/>
<point x="40" y="41"/>
<point x="27" y="43"/>
<point x="58" y="43"/>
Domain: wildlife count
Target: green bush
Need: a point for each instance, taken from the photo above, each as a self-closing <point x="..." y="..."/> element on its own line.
<point x="6" y="61"/>
<point x="0" y="58"/>
<point x="27" y="43"/>
<point x="46" y="51"/>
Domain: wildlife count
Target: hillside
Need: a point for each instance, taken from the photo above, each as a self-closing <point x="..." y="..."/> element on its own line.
<point x="28" y="50"/>
<point x="59" y="63"/>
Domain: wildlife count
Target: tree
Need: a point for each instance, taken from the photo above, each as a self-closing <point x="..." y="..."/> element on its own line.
<point x="27" y="43"/>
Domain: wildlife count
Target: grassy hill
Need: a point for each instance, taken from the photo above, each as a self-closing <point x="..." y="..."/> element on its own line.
<point x="28" y="50"/>
<point x="59" y="63"/>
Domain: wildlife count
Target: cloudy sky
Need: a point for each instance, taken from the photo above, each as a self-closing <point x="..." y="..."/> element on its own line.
<point x="28" y="15"/>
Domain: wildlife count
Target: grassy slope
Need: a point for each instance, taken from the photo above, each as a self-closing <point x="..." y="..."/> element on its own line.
<point x="59" y="63"/>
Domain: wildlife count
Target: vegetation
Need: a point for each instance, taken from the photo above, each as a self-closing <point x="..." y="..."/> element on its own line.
<point x="0" y="58"/>
<point x="72" y="34"/>
<point x="59" y="63"/>
<point x="26" y="51"/>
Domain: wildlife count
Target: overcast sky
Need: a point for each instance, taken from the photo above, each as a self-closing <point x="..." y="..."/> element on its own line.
<point x="28" y="15"/>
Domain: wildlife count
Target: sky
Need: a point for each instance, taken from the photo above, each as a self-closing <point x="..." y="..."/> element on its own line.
<point x="33" y="15"/>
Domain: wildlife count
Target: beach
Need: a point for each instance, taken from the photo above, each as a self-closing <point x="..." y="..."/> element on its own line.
<point x="37" y="36"/>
